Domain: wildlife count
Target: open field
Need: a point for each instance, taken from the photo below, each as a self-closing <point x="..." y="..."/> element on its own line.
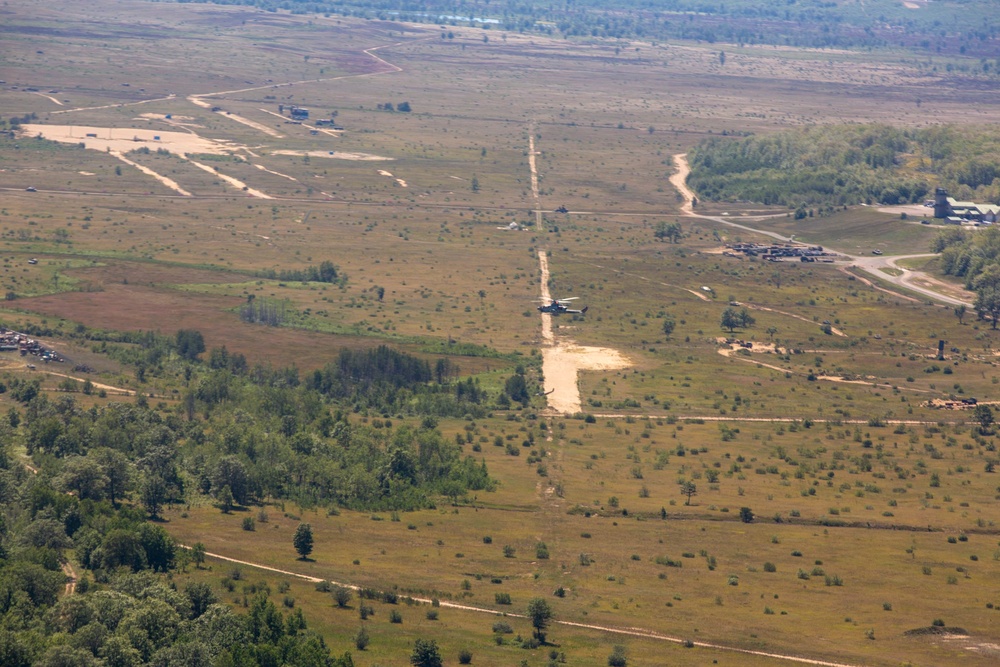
<point x="823" y="428"/>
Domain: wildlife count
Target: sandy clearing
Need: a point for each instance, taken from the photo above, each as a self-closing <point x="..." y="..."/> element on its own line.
<point x="128" y="139"/>
<point x="169" y="182"/>
<point x="236" y="183"/>
<point x="561" y="365"/>
<point x="86" y="173"/>
<point x="333" y="155"/>
<point x="402" y="183"/>
<point x="383" y="172"/>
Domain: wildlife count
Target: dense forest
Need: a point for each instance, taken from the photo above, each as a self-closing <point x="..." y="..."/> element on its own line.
<point x="839" y="165"/>
<point x="235" y="436"/>
<point x="121" y="613"/>
<point x="969" y="27"/>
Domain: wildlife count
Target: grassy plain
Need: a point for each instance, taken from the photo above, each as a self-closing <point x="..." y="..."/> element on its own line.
<point x="119" y="249"/>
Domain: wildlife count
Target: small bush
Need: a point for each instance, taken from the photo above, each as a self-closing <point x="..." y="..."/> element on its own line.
<point x="502" y="598"/>
<point x="503" y="628"/>
<point x="465" y="657"/>
<point x="249" y="523"/>
<point x="395" y="617"/>
<point x="770" y="567"/>
<point x="432" y="614"/>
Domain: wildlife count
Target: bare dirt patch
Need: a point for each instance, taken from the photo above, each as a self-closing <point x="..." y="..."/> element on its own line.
<point x="124" y="140"/>
<point x="332" y="155"/>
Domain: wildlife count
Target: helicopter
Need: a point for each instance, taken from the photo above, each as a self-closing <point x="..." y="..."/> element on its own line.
<point x="560" y="306"/>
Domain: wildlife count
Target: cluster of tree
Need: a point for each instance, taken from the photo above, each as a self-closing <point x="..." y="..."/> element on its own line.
<point x="326" y="272"/>
<point x="389" y="106"/>
<point x="976" y="258"/>
<point x="388" y="380"/>
<point x="263" y="311"/>
<point x="247" y="436"/>
<point x="668" y="230"/>
<point x="840" y="165"/>
<point x="810" y="23"/>
<point x="120" y="612"/>
<point x="733" y="319"/>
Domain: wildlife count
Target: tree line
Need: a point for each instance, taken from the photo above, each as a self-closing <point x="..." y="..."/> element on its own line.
<point x="806" y="23"/>
<point x="975" y="257"/>
<point x="840" y="165"/>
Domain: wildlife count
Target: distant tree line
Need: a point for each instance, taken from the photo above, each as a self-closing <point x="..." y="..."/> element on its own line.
<point x="326" y="272"/>
<point x="839" y="165"/>
<point x="975" y="257"/>
<point x="807" y="23"/>
<point x="263" y="311"/>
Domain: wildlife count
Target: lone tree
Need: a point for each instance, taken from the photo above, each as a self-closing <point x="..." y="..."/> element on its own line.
<point x="669" y="324"/>
<point x="746" y="515"/>
<point x="540" y="614"/>
<point x="984" y="417"/>
<point x="303" y="540"/>
<point x="688" y="488"/>
<point x="960" y="312"/>
<point x="425" y="654"/>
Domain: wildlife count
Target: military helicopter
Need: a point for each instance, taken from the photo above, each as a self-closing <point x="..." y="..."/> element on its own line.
<point x="560" y="306"/>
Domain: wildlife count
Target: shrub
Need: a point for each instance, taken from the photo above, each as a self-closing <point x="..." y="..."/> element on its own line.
<point x="342" y="596"/>
<point x="361" y="639"/>
<point x="617" y="657"/>
<point x="249" y="523"/>
<point x="502" y="598"/>
<point x="465" y="657"/>
<point x="503" y="628"/>
<point x="770" y="567"/>
<point x="432" y="614"/>
<point x="395" y="617"/>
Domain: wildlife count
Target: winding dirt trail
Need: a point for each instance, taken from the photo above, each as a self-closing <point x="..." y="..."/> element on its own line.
<point x="916" y="281"/>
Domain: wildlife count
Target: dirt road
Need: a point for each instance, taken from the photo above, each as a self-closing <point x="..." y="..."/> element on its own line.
<point x="915" y="281"/>
<point x="628" y="631"/>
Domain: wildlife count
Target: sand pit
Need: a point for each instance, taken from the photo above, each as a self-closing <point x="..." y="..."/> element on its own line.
<point x="125" y="139"/>
<point x="333" y="155"/>
<point x="561" y="366"/>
